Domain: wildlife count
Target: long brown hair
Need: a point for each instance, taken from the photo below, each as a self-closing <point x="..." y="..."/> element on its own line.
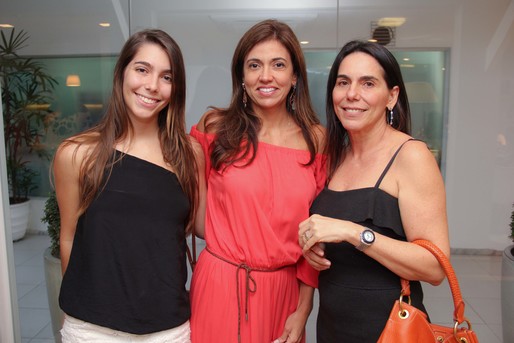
<point x="116" y="126"/>
<point x="237" y="126"/>
<point x="337" y="136"/>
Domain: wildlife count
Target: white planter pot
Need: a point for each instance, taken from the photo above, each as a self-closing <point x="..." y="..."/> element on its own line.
<point x="507" y="294"/>
<point x="19" y="219"/>
<point x="53" y="277"/>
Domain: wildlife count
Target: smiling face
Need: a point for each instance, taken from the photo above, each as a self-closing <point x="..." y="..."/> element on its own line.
<point x="268" y="76"/>
<point x="147" y="83"/>
<point x="360" y="95"/>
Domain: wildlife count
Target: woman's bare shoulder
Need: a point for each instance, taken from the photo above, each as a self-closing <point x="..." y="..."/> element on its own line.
<point x="416" y="158"/>
<point x="75" y="148"/>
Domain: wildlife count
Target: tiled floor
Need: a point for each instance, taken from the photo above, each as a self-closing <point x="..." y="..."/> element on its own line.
<point x="479" y="278"/>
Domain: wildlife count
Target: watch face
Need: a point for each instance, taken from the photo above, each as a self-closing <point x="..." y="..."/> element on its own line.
<point x="368" y="236"/>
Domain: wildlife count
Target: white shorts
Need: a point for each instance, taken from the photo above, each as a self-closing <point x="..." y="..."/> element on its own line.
<point x="78" y="331"/>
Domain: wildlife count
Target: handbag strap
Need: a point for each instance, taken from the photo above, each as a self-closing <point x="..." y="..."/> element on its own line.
<point x="458" y="313"/>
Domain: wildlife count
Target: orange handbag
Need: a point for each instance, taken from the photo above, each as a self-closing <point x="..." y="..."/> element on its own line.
<point x="408" y="324"/>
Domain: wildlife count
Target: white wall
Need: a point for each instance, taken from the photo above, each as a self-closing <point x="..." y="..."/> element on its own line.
<point x="480" y="35"/>
<point x="480" y="156"/>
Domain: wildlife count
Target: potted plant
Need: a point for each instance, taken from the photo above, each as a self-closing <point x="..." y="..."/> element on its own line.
<point x="52" y="261"/>
<point x="507" y="287"/>
<point x="26" y="94"/>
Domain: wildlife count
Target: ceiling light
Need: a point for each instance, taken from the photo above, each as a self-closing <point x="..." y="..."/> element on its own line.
<point x="6" y="26"/>
<point x="304" y="42"/>
<point x="391" y="21"/>
<point x="105" y="24"/>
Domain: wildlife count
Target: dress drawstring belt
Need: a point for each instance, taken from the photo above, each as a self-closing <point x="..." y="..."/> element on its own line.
<point x="250" y="285"/>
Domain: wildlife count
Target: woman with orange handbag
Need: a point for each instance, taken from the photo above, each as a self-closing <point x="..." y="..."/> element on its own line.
<point x="384" y="190"/>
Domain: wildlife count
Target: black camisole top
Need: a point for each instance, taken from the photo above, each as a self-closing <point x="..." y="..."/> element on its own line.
<point x="127" y="269"/>
<point x="357" y="292"/>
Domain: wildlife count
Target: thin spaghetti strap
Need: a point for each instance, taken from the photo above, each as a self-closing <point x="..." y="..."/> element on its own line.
<point x="391" y="162"/>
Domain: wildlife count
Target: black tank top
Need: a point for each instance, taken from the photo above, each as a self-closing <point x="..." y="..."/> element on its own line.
<point x="127" y="269"/>
<point x="357" y="292"/>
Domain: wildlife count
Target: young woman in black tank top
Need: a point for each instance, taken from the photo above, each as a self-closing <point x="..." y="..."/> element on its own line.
<point x="128" y="194"/>
<point x="384" y="190"/>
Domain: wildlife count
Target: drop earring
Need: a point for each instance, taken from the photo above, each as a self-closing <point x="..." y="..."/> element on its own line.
<point x="292" y="99"/>
<point x="391" y="116"/>
<point x="245" y="99"/>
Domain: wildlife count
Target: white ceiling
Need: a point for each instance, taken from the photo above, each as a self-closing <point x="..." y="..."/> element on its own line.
<point x="59" y="27"/>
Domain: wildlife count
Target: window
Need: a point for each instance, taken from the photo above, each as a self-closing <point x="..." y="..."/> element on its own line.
<point x="79" y="101"/>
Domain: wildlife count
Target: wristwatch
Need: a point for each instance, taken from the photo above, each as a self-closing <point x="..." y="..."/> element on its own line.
<point x="367" y="238"/>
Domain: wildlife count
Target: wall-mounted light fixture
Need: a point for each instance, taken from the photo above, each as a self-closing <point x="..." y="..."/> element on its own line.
<point x="73" y="80"/>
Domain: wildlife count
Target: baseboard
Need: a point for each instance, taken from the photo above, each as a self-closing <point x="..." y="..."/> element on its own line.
<point x="478" y="252"/>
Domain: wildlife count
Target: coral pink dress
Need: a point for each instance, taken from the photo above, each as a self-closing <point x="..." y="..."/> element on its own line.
<point x="245" y="284"/>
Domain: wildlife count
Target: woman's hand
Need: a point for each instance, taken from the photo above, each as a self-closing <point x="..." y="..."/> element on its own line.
<point x="317" y="230"/>
<point x="313" y="250"/>
<point x="293" y="329"/>
<point x="316" y="257"/>
<point x="320" y="229"/>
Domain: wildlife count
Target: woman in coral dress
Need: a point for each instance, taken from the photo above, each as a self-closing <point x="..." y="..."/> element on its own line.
<point x="251" y="283"/>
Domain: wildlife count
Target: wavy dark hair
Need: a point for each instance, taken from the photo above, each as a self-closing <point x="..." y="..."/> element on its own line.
<point x="237" y="126"/>
<point x="116" y="126"/>
<point x="337" y="136"/>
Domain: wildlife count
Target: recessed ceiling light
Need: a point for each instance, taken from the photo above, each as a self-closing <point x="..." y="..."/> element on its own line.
<point x="406" y="59"/>
<point x="6" y="26"/>
<point x="304" y="42"/>
<point x="104" y="24"/>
